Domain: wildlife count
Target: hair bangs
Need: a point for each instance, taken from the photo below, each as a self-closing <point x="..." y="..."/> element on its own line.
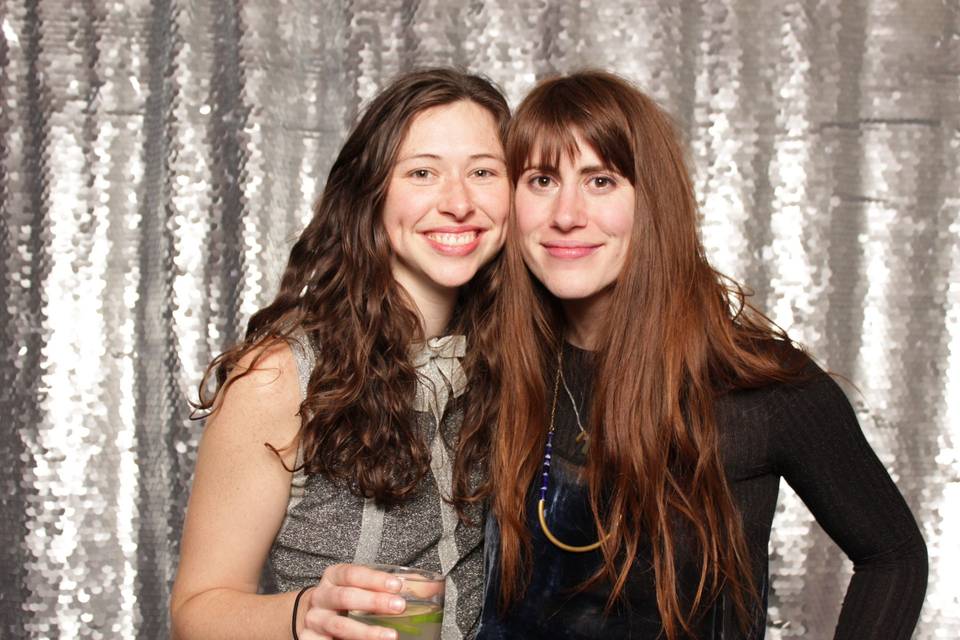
<point x="541" y="145"/>
<point x="547" y="125"/>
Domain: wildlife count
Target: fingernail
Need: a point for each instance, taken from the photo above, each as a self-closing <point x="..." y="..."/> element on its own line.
<point x="397" y="604"/>
<point x="388" y="634"/>
<point x="394" y="584"/>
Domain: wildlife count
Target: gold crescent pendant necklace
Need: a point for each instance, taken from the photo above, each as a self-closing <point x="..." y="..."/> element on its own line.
<point x="548" y="457"/>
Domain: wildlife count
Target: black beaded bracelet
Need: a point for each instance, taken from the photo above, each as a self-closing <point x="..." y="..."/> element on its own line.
<point x="296" y="605"/>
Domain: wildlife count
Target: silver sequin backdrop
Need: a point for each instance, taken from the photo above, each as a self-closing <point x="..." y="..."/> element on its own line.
<point x="157" y="158"/>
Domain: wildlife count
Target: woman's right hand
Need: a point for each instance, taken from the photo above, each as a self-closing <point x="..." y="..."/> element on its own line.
<point x="346" y="587"/>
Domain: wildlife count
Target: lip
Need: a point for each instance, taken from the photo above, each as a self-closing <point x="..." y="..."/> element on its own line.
<point x="570" y="249"/>
<point x="454" y="250"/>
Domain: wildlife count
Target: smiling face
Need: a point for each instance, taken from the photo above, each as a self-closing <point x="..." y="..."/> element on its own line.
<point x="575" y="223"/>
<point x="447" y="200"/>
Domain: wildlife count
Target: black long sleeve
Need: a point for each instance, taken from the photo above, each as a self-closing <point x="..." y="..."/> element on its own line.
<point x="817" y="446"/>
<point x="805" y="432"/>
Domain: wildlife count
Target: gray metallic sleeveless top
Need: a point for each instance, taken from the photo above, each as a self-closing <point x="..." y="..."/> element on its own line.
<point x="326" y="524"/>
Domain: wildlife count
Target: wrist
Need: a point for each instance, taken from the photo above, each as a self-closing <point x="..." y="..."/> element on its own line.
<point x="300" y="606"/>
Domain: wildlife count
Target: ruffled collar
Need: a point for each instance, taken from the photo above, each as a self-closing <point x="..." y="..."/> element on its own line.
<point x="440" y="375"/>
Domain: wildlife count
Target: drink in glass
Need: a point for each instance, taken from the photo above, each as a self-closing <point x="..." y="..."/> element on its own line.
<point x="421" y="620"/>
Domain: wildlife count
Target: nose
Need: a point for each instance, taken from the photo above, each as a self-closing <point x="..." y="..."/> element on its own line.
<point x="569" y="210"/>
<point x="455" y="200"/>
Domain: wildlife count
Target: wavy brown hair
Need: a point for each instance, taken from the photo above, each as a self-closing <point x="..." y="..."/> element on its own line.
<point x="677" y="335"/>
<point x="357" y="423"/>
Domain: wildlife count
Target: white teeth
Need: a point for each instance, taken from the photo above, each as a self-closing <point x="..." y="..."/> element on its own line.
<point x="453" y="239"/>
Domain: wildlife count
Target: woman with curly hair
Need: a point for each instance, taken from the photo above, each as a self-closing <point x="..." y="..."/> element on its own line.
<point x="648" y="413"/>
<point x="350" y="425"/>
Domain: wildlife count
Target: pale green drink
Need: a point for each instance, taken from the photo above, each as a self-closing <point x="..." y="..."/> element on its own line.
<point x="420" y="620"/>
<point x="423" y="592"/>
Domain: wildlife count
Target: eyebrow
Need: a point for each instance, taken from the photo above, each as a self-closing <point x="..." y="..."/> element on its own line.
<point x="593" y="168"/>
<point x="433" y="156"/>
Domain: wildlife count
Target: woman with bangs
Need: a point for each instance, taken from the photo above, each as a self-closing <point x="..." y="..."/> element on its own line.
<point x="648" y="411"/>
<point x="350" y="426"/>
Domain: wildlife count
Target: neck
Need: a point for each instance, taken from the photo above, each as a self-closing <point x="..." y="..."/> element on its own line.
<point x="435" y="311"/>
<point x="434" y="305"/>
<point x="585" y="318"/>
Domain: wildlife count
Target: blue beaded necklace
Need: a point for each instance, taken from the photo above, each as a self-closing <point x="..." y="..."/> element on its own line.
<point x="548" y="456"/>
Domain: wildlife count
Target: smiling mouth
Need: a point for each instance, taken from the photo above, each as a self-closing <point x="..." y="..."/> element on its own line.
<point x="459" y="239"/>
<point x="454" y="243"/>
<point x="570" y="250"/>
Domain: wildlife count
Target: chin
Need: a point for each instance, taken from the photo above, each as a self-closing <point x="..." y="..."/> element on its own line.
<point x="453" y="278"/>
<point x="566" y="290"/>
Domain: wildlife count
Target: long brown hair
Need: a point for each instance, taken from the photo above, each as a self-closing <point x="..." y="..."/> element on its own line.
<point x="357" y="427"/>
<point x="676" y="336"/>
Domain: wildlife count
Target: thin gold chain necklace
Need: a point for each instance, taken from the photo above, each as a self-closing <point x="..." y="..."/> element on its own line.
<point x="547" y="458"/>
<point x="583" y="437"/>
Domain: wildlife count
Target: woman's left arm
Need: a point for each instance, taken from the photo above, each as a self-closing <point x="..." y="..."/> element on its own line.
<point x="819" y="449"/>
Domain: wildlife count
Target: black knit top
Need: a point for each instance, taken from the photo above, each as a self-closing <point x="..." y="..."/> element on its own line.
<point x="806" y="433"/>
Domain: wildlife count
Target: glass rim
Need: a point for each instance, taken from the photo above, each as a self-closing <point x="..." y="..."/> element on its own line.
<point x="408" y="573"/>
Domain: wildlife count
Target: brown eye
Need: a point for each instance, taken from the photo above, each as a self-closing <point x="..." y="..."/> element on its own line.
<point x="603" y="182"/>
<point x="541" y="182"/>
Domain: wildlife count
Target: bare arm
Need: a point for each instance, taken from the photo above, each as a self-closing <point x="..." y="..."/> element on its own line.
<point x="237" y="504"/>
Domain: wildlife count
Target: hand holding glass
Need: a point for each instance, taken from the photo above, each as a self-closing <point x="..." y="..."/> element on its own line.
<point x="423" y="591"/>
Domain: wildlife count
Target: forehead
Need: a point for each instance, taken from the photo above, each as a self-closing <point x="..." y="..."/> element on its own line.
<point x="460" y="127"/>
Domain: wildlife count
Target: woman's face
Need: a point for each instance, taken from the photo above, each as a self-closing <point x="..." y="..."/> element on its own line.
<point x="575" y="225"/>
<point x="448" y="198"/>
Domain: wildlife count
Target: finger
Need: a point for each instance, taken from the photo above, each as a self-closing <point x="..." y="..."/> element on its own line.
<point x="354" y="599"/>
<point x="315" y="620"/>
<point x="422" y="589"/>
<point x="344" y="628"/>
<point x="355" y="575"/>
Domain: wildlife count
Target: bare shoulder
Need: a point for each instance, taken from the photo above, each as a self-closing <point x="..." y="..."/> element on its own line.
<point x="260" y="402"/>
<point x="240" y="487"/>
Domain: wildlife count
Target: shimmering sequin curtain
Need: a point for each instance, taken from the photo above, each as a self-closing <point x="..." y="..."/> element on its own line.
<point x="157" y="158"/>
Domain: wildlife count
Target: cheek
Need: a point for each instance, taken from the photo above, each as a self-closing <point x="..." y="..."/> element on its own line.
<point x="528" y="214"/>
<point x="396" y="226"/>
<point x="618" y="221"/>
<point x="400" y="211"/>
<point x="391" y="226"/>
<point x="495" y="202"/>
